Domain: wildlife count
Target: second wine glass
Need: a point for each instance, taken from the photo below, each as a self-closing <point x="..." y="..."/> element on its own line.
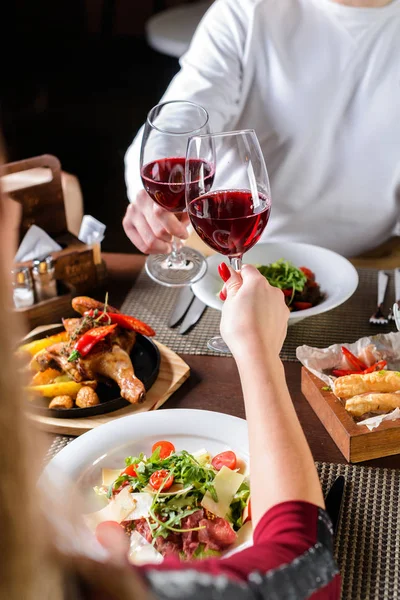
<point x="162" y="162"/>
<point x="232" y="214"/>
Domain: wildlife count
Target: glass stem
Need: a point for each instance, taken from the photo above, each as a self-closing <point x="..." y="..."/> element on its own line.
<point x="236" y="262"/>
<point x="176" y="258"/>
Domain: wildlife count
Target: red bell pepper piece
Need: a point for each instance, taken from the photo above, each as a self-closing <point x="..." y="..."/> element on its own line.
<point x="124" y="321"/>
<point x="355" y="362"/>
<point x="343" y="372"/>
<point x="308" y="273"/>
<point x="288" y="292"/>
<point x="88" y="340"/>
<point x="378" y="366"/>
<point x="302" y="305"/>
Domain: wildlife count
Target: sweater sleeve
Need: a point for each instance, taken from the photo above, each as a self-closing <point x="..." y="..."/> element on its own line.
<point x="210" y="75"/>
<point x="291" y="558"/>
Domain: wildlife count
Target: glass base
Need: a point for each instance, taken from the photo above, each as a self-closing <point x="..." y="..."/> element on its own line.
<point x="191" y="268"/>
<point x="218" y="345"/>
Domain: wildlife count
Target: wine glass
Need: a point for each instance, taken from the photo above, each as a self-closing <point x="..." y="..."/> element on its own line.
<point x="162" y="166"/>
<point x="231" y="215"/>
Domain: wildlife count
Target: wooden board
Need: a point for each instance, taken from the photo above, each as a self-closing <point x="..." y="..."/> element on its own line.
<point x="173" y="372"/>
<point x="357" y="443"/>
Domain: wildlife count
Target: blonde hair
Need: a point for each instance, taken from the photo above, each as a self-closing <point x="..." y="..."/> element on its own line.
<point x="31" y="568"/>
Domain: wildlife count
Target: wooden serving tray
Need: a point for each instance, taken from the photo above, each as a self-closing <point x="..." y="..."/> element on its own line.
<point x="356" y="443"/>
<point x="173" y="372"/>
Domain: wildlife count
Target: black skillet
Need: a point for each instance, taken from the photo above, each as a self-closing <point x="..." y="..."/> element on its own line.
<point x="145" y="358"/>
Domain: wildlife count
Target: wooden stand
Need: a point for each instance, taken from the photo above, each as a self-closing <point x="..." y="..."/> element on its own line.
<point x="356" y="443"/>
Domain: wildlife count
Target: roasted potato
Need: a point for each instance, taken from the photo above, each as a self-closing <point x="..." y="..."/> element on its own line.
<point x="33" y="348"/>
<point x="86" y="397"/>
<point x="64" y="388"/>
<point x="44" y="377"/>
<point x="62" y="402"/>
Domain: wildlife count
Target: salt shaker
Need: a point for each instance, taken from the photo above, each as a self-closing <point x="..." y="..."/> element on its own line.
<point x="43" y="275"/>
<point x="23" y="288"/>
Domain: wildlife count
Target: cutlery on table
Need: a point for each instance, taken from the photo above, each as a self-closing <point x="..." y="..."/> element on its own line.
<point x="193" y="315"/>
<point x="334" y="501"/>
<point x="185" y="299"/>
<point x="378" y="318"/>
<point x="396" y="293"/>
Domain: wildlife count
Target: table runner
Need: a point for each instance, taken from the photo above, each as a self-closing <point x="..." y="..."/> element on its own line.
<point x="153" y="303"/>
<point x="367" y="546"/>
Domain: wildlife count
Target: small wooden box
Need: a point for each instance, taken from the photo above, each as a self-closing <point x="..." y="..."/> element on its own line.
<point x="43" y="205"/>
<point x="356" y="443"/>
<point x="52" y="310"/>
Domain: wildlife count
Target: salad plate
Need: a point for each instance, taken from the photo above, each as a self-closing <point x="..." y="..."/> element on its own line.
<point x="86" y="459"/>
<point x="335" y="275"/>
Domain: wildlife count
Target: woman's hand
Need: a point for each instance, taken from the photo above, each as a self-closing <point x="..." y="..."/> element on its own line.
<point x="255" y="316"/>
<point x="150" y="227"/>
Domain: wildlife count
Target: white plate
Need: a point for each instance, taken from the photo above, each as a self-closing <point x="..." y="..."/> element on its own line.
<point x="336" y="276"/>
<point x="108" y="445"/>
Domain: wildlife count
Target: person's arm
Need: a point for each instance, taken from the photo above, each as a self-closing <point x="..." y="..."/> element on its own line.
<point x="211" y="76"/>
<point x="292" y="554"/>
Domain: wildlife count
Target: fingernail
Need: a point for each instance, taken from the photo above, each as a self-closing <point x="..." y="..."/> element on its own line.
<point x="224" y="272"/>
<point x="222" y="295"/>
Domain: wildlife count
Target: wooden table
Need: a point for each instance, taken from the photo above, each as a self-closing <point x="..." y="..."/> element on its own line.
<point x="214" y="382"/>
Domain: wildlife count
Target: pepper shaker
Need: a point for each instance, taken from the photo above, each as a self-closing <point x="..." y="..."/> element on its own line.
<point x="43" y="275"/>
<point x="23" y="288"/>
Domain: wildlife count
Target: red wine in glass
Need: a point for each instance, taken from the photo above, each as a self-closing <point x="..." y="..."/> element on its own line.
<point x="233" y="214"/>
<point x="227" y="221"/>
<point x="164" y="181"/>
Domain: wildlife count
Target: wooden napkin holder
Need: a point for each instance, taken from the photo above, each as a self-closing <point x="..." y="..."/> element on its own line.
<point x="75" y="268"/>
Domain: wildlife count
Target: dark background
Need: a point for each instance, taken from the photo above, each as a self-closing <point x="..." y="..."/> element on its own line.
<point x="78" y="80"/>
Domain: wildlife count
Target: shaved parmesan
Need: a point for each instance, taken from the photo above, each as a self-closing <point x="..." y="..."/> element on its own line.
<point x="141" y="552"/>
<point x="110" y="475"/>
<point x="202" y="457"/>
<point x="226" y="484"/>
<point x="142" y="503"/>
<point x="117" y="510"/>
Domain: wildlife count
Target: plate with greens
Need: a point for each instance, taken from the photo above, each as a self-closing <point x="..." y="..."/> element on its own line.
<point x="314" y="280"/>
<point x="176" y="481"/>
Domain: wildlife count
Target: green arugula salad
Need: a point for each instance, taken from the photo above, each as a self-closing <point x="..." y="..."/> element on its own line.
<point x="297" y="283"/>
<point x="176" y="503"/>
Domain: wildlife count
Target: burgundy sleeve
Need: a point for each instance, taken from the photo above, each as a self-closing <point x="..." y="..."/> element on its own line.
<point x="292" y="556"/>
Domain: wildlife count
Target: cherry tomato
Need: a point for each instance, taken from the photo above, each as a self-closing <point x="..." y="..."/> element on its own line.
<point x="288" y="292"/>
<point x="308" y="273"/>
<point x="102" y="530"/>
<point x="225" y="459"/>
<point x="166" y="449"/>
<point x="302" y="305"/>
<point x="161" y="478"/>
<point x="130" y="471"/>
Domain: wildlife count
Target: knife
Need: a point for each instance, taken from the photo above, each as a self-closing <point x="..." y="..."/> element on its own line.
<point x="334" y="501"/>
<point x="193" y="315"/>
<point x="185" y="299"/>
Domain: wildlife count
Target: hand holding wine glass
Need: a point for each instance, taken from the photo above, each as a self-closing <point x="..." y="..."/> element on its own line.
<point x="232" y="213"/>
<point x="162" y="162"/>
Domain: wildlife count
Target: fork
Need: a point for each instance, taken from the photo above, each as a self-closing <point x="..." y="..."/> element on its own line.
<point x="396" y="293"/>
<point x="378" y="318"/>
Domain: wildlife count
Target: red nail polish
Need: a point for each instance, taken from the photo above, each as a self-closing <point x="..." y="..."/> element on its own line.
<point x="224" y="272"/>
<point x="222" y="295"/>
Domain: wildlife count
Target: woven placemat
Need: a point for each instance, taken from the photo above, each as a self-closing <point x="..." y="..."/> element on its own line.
<point x="154" y="303"/>
<point x="367" y="545"/>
